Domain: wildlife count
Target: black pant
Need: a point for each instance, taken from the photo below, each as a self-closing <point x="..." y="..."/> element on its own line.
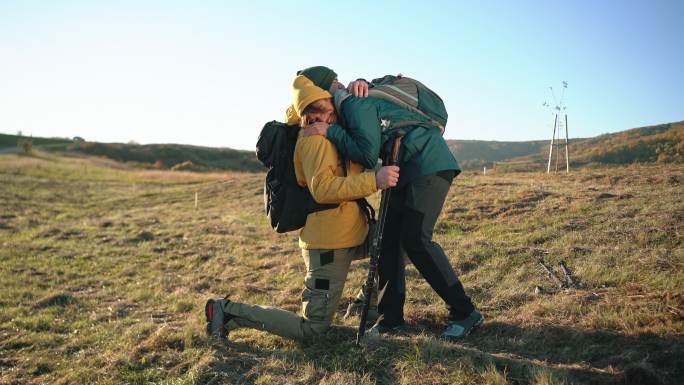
<point x="411" y="218"/>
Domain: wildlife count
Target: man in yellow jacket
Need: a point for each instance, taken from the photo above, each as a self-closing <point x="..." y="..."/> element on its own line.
<point x="330" y="239"/>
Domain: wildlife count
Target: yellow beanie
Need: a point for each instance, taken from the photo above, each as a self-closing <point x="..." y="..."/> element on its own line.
<point x="305" y="92"/>
<point x="291" y="116"/>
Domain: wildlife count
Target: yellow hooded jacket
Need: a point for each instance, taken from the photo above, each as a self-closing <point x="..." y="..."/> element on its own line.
<point x="318" y="166"/>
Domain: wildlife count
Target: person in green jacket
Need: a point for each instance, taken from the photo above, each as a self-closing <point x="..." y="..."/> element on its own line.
<point x="427" y="170"/>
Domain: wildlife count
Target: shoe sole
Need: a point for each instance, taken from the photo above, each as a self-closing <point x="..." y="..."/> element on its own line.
<point x="210" y="310"/>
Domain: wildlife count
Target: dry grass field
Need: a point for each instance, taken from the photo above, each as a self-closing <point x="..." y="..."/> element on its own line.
<point x="104" y="271"/>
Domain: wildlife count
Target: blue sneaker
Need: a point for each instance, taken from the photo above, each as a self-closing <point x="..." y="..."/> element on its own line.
<point x="457" y="330"/>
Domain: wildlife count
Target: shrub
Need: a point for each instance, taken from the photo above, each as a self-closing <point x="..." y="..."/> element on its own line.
<point x="26" y="145"/>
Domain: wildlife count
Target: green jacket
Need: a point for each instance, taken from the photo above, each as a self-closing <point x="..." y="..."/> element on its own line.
<point x="423" y="150"/>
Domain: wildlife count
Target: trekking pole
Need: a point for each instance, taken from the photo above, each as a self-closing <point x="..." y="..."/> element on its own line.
<point x="391" y="160"/>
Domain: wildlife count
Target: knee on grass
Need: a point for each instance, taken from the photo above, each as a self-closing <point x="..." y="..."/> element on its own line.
<point x="315" y="328"/>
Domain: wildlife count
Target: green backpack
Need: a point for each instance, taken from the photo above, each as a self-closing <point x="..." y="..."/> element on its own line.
<point x="407" y="93"/>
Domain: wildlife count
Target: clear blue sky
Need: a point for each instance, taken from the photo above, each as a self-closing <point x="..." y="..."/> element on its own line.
<point x="212" y="72"/>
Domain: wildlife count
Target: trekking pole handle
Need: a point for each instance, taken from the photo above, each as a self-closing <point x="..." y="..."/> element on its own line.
<point x="396" y="146"/>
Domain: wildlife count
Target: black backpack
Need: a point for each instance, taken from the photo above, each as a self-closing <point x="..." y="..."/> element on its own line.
<point x="287" y="203"/>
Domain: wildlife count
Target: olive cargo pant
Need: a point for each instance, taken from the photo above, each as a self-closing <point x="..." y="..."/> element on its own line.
<point x="326" y="272"/>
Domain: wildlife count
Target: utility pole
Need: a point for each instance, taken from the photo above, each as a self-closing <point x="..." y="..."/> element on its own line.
<point x="558" y="124"/>
<point x="567" y="156"/>
<point x="553" y="138"/>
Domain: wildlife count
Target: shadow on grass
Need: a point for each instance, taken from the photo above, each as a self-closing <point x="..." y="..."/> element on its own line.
<point x="587" y="355"/>
<point x="592" y="357"/>
<point x="310" y="361"/>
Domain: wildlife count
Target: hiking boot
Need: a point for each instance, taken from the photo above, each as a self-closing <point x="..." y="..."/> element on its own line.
<point x="457" y="330"/>
<point x="379" y="330"/>
<point x="216" y="317"/>
<point x="356" y="307"/>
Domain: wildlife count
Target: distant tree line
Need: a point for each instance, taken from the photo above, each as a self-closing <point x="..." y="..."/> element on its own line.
<point x="168" y="156"/>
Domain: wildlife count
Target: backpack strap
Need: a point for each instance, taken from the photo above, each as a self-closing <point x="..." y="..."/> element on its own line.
<point x="368" y="210"/>
<point x="378" y="92"/>
<point x="343" y="94"/>
<point x="339" y="96"/>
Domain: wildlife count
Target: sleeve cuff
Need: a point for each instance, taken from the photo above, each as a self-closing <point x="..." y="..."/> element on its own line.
<point x="371" y="180"/>
<point x="333" y="133"/>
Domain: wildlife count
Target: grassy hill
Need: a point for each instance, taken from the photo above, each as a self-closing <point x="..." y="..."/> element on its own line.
<point x="159" y="156"/>
<point x="474" y="154"/>
<point x="105" y="270"/>
<point x="663" y="143"/>
<point x="190" y="158"/>
<point x="12" y="140"/>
